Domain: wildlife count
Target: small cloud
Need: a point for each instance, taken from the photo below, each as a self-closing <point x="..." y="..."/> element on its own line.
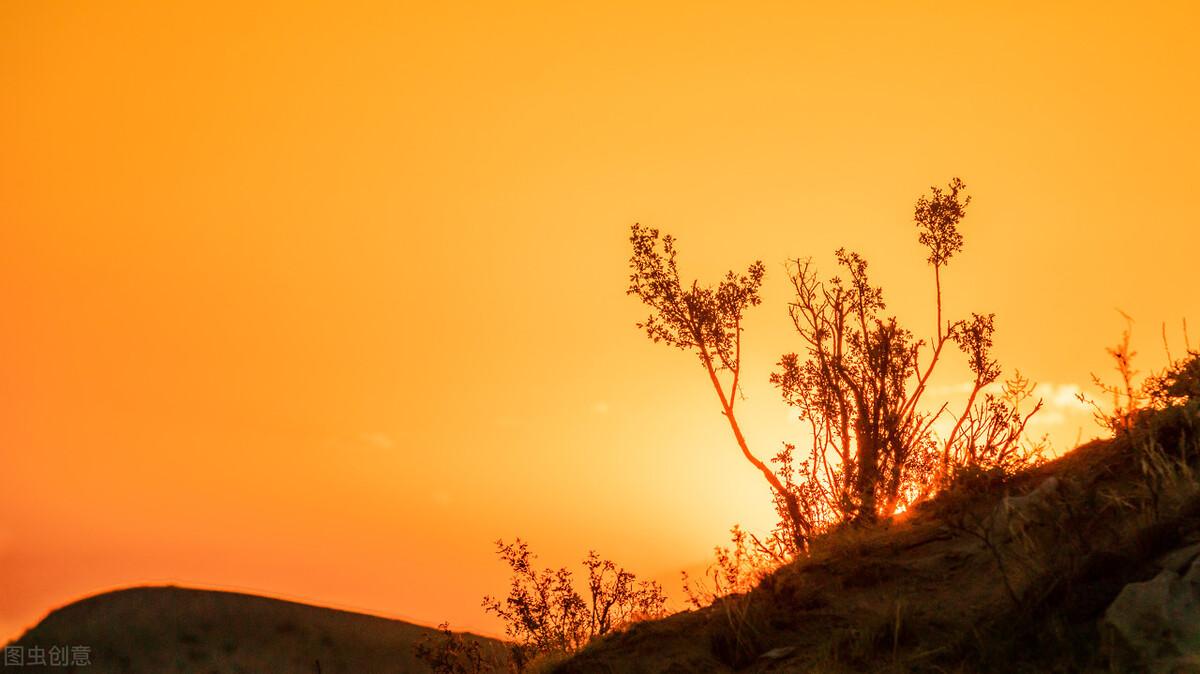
<point x="377" y="440"/>
<point x="600" y="407"/>
<point x="1060" y="396"/>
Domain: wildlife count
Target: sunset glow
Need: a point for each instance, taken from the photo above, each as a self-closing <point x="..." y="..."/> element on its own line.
<point x="319" y="301"/>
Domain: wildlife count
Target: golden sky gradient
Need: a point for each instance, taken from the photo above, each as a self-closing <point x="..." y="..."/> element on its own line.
<point x="318" y="300"/>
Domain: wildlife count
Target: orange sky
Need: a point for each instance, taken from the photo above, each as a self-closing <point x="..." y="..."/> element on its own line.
<point x="319" y="300"/>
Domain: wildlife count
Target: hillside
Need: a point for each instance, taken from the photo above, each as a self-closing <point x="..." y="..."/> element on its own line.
<point x="1087" y="563"/>
<point x="158" y="630"/>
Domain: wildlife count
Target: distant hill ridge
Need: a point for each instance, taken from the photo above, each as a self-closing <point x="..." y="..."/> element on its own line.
<point x="158" y="630"/>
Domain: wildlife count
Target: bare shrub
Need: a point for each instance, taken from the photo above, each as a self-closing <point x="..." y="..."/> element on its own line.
<point x="857" y="381"/>
<point x="990" y="438"/>
<point x="1166" y="434"/>
<point x="1127" y="398"/>
<point x="451" y="653"/>
<point x="736" y="569"/>
<point x="728" y="583"/>
<point x="851" y="387"/>
<point x="545" y="614"/>
<point x="1175" y="385"/>
<point x="706" y="320"/>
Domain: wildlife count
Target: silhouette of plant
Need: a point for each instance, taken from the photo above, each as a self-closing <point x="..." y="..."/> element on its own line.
<point x="727" y="584"/>
<point x="937" y="218"/>
<point x="545" y="614"/>
<point x="736" y="569"/>
<point x="708" y="321"/>
<point x="1127" y="399"/>
<point x="1179" y="382"/>
<point x="450" y="653"/>
<point x="851" y="388"/>
<point x="857" y="382"/>
<point x="990" y="437"/>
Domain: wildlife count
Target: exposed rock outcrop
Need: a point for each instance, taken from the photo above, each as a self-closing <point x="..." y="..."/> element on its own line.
<point x="1155" y="625"/>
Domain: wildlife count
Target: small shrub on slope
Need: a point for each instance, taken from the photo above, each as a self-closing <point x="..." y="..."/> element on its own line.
<point x="545" y="613"/>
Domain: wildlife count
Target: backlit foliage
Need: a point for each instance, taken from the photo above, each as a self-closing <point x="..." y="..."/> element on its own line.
<point x="1177" y="383"/>
<point x="1127" y="398"/>
<point x="991" y="435"/>
<point x="706" y="320"/>
<point x="736" y="569"/>
<point x="850" y="384"/>
<point x="937" y="217"/>
<point x="544" y="613"/>
<point x="857" y="380"/>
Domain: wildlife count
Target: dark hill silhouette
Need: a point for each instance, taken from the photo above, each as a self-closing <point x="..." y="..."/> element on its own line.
<point x="159" y="630"/>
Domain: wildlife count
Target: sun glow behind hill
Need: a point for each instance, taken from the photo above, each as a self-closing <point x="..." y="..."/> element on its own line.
<point x="320" y="300"/>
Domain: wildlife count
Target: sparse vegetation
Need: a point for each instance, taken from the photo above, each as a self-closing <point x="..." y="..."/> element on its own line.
<point x="546" y="615"/>
<point x="451" y="653"/>
<point x="1014" y="559"/>
<point x="858" y="381"/>
<point x="991" y="575"/>
<point x="737" y="569"/>
<point x="728" y="584"/>
<point x="1059" y="545"/>
<point x="1178" y="383"/>
<point x="706" y="320"/>
<point x="1127" y="399"/>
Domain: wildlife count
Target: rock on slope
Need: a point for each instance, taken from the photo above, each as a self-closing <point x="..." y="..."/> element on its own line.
<point x="159" y="630"/>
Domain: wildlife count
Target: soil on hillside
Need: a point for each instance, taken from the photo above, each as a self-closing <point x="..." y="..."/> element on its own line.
<point x="992" y="578"/>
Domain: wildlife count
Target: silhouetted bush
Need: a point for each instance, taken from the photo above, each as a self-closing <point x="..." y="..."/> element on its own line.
<point x="1133" y="403"/>
<point x="545" y="614"/>
<point x="1177" y="384"/>
<point x="450" y="653"/>
<point x="727" y="584"/>
<point x="858" y="380"/>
